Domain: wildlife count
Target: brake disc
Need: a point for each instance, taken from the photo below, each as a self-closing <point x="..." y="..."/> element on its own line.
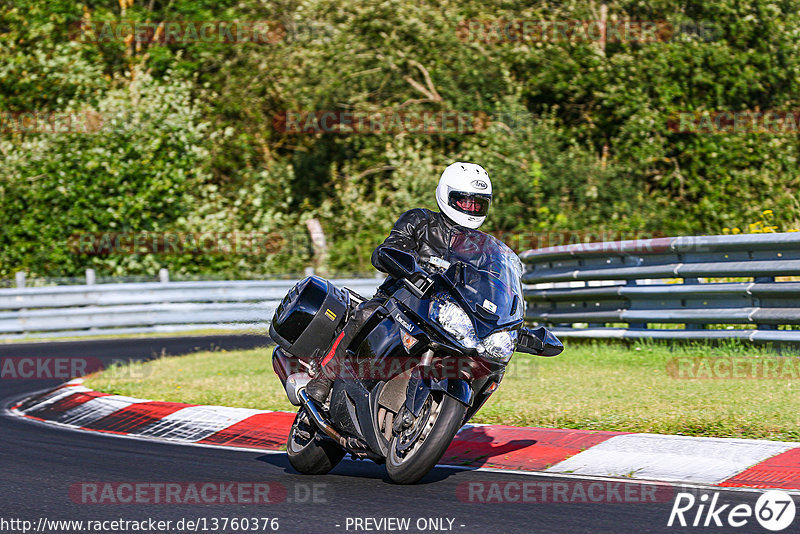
<point x="409" y="436"/>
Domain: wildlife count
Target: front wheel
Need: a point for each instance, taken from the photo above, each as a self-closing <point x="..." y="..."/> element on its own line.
<point x="415" y="451"/>
<point x="307" y="453"/>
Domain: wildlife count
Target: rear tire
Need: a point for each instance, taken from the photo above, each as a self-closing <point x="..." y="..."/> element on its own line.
<point x="310" y="456"/>
<point x="410" y="466"/>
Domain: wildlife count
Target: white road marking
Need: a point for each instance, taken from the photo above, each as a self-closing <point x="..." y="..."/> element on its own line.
<point x="671" y="458"/>
<point x="55" y="396"/>
<point x="95" y="409"/>
<point x="197" y="422"/>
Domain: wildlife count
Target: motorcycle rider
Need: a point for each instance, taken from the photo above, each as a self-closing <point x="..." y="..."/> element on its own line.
<point x="464" y="195"/>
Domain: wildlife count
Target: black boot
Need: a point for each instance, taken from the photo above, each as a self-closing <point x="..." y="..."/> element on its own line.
<point x="319" y="387"/>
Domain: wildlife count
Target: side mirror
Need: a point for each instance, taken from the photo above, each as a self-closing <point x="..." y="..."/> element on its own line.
<point x="539" y="341"/>
<point x="399" y="264"/>
<point x="403" y="266"/>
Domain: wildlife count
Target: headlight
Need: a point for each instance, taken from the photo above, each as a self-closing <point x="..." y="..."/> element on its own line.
<point x="498" y="346"/>
<point x="455" y="321"/>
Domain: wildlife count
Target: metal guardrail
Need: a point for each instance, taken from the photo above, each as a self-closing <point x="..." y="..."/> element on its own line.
<point x="96" y="309"/>
<point x="623" y="282"/>
<point x="620" y="282"/>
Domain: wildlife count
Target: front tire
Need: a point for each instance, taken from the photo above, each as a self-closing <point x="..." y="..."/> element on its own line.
<point x="309" y="454"/>
<point x="407" y="463"/>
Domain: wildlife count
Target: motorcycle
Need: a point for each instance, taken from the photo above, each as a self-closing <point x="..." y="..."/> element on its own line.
<point x="421" y="365"/>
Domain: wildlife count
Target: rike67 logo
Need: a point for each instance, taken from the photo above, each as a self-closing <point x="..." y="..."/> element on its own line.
<point x="774" y="510"/>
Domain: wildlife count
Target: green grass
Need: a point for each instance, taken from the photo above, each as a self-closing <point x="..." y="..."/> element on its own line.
<point x="593" y="386"/>
<point x="227" y="378"/>
<point x="112" y="335"/>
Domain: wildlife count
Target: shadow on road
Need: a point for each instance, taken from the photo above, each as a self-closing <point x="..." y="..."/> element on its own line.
<point x="358" y="469"/>
<point x="475" y="447"/>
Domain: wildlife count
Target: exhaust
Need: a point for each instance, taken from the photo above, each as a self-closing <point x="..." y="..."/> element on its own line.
<point x="347" y="443"/>
<point x="294" y="383"/>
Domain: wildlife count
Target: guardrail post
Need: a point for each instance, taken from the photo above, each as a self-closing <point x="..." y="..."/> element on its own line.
<point x="163" y="275"/>
<point x="692" y="281"/>
<point x="90" y="281"/>
<point x="765" y="280"/>
<point x="635" y="326"/>
<point x="20" y="279"/>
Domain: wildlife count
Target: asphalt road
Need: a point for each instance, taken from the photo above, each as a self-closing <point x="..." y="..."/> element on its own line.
<point x="41" y="466"/>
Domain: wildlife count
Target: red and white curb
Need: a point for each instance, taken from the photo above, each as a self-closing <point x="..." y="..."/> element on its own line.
<point x="707" y="461"/>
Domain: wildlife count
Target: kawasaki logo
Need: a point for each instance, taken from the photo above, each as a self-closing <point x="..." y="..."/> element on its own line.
<point x="406" y="324"/>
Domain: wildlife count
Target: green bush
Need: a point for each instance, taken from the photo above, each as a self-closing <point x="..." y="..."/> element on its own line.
<point x="577" y="138"/>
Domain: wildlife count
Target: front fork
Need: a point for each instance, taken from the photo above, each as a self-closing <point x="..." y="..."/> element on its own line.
<point x="420" y="387"/>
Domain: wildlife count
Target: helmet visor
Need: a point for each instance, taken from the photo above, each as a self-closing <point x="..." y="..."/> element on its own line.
<point x="475" y="204"/>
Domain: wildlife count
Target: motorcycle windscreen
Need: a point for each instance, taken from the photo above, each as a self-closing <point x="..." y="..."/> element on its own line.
<point x="487" y="274"/>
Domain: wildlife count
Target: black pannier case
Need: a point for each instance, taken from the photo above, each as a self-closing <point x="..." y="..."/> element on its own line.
<point x="309" y="316"/>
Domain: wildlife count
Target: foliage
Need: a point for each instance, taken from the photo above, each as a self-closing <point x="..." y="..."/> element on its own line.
<point x="576" y="135"/>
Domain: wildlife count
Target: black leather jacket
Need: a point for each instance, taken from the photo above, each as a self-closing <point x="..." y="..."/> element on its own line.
<point x="421" y="232"/>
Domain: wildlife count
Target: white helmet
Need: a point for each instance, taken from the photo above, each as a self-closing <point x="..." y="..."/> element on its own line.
<point x="464" y="194"/>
